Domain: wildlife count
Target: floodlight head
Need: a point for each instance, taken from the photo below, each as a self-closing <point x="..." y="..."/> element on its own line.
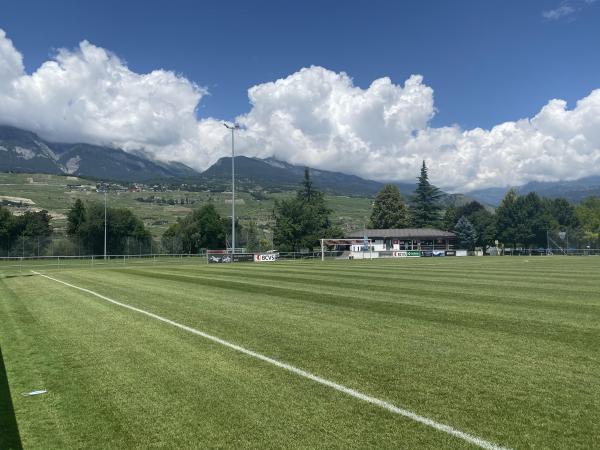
<point x="235" y="126"/>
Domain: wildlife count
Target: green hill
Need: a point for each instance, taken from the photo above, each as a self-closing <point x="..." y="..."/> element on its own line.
<point x="159" y="209"/>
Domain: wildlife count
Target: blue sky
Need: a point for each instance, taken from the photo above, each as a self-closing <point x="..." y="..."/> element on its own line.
<point x="488" y="61"/>
<point x="365" y="87"/>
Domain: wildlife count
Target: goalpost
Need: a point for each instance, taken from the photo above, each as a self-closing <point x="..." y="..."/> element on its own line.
<point x="364" y="242"/>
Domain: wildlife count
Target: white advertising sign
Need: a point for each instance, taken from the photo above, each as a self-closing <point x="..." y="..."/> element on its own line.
<point x="407" y="254"/>
<point x="267" y="257"/>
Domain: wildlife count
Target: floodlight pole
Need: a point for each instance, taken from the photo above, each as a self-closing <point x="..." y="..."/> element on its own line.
<point x="233" y="127"/>
<point x="105" y="221"/>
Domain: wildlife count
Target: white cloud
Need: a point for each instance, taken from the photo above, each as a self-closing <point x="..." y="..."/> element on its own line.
<point x="318" y="117"/>
<point x="315" y="117"/>
<point x="11" y="61"/>
<point x="565" y="9"/>
<point x="90" y="95"/>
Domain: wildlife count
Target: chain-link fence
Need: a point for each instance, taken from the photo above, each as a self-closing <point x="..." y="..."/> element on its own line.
<point x="18" y="265"/>
<point x="26" y="247"/>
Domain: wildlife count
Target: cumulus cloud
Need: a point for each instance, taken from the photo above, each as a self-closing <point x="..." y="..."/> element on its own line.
<point x="318" y="117"/>
<point x="565" y="9"/>
<point x="315" y="117"/>
<point x="90" y="95"/>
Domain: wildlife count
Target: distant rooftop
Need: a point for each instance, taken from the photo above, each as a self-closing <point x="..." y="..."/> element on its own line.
<point x="402" y="233"/>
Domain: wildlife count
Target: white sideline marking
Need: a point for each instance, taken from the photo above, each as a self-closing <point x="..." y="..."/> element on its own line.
<point x="338" y="387"/>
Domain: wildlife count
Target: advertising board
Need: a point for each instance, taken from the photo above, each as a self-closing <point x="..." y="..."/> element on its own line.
<point x="224" y="258"/>
<point x="266" y="257"/>
<point x="406" y="254"/>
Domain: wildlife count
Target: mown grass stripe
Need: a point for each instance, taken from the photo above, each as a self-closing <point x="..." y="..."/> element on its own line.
<point x="452" y="290"/>
<point x="485" y="321"/>
<point x="480" y="442"/>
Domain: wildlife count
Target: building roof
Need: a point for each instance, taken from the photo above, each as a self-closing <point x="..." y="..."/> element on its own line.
<point x="403" y="233"/>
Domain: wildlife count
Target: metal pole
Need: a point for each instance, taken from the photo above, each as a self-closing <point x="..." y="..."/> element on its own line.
<point x="105" y="222"/>
<point x="232" y="193"/>
<point x="232" y="128"/>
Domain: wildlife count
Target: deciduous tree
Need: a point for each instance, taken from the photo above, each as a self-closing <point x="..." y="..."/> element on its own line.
<point x="389" y="210"/>
<point x="301" y="221"/>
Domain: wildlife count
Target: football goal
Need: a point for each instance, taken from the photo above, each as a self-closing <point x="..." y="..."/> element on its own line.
<point x="364" y="244"/>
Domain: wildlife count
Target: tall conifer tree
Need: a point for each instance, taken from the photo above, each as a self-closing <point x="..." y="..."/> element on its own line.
<point x="426" y="202"/>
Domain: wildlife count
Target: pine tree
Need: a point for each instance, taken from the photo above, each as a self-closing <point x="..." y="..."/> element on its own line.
<point x="465" y="233"/>
<point x="307" y="192"/>
<point x="426" y="207"/>
<point x="482" y="220"/>
<point x="389" y="211"/>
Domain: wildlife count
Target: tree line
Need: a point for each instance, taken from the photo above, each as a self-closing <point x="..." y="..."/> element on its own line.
<point x="519" y="221"/>
<point x="31" y="224"/>
<point x="300" y="221"/>
<point x="85" y="223"/>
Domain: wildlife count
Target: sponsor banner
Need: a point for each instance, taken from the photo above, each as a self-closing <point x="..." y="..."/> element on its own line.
<point x="219" y="259"/>
<point x="439" y="253"/>
<point x="450" y="253"/>
<point x="404" y="253"/>
<point x="427" y="253"/>
<point x="227" y="258"/>
<point x="461" y="253"/>
<point x="266" y="257"/>
<point x="243" y="257"/>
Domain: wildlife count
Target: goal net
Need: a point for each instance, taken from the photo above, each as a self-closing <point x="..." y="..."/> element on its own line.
<point x="363" y="244"/>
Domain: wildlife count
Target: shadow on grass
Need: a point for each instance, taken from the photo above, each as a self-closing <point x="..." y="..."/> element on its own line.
<point x="9" y="430"/>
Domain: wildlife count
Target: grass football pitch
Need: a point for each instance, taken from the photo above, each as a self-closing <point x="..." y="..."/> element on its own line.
<point x="505" y="350"/>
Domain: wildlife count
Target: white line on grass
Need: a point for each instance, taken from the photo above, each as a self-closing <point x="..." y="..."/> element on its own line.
<point x="338" y="387"/>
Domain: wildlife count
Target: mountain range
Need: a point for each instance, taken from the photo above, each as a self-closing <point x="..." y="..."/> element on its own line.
<point x="25" y="151"/>
<point x="574" y="191"/>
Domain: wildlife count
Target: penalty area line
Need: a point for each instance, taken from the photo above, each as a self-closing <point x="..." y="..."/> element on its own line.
<point x="480" y="442"/>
